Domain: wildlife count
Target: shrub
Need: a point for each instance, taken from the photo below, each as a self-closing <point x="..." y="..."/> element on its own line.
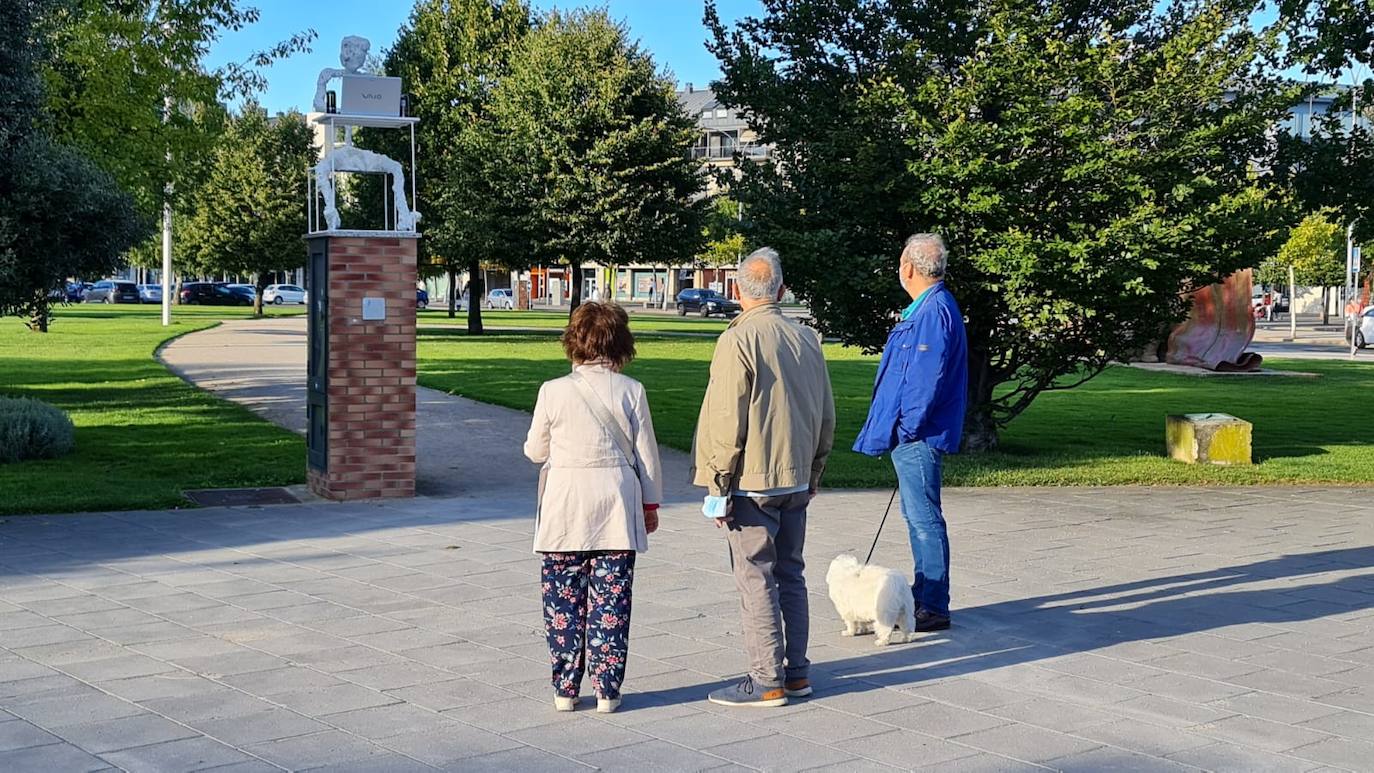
<point x="32" y="429"/>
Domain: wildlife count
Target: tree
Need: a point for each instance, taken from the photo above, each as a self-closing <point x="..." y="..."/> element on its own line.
<point x="128" y="86"/>
<point x="249" y="215"/>
<point x="590" y="159"/>
<point x="1315" y="251"/>
<point x="1087" y="163"/>
<point x="450" y="54"/>
<point x="60" y="215"/>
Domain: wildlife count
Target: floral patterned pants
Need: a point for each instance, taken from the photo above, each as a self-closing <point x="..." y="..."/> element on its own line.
<point x="587" y="618"/>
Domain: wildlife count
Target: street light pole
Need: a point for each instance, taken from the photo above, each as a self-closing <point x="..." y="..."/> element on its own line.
<point x="167" y="286"/>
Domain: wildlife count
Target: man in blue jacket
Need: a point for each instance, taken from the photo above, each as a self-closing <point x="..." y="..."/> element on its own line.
<point x="917" y="414"/>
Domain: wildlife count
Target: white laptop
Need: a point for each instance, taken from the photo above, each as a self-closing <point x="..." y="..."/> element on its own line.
<point x="370" y="95"/>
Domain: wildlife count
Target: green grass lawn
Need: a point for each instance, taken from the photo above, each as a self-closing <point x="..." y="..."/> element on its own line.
<point x="640" y="322"/>
<point x="1107" y="432"/>
<point x="142" y="434"/>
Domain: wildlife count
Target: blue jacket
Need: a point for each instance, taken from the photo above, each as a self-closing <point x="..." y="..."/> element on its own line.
<point x="922" y="382"/>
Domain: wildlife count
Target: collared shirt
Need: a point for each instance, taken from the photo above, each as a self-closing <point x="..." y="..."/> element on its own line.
<point x="916" y="304"/>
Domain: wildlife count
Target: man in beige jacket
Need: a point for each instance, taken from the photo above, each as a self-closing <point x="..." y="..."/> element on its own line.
<point x="764" y="434"/>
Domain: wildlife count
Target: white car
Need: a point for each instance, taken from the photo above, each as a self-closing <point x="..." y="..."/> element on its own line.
<point x="280" y="294"/>
<point x="1364" y="332"/>
<point x="500" y="299"/>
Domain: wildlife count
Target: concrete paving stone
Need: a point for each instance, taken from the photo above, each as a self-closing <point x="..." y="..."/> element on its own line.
<point x="1143" y="737"/>
<point x="1205" y="666"/>
<point x="269" y="724"/>
<point x="297" y="642"/>
<point x="1169" y="712"/>
<point x="524" y="759"/>
<point x="348" y="658"/>
<point x="109" y="618"/>
<point x="173" y="602"/>
<point x="404" y="640"/>
<point x="1106" y="759"/>
<point x="782" y="753"/>
<point x="303" y="752"/>
<point x="385" y="721"/>
<point x="1260" y="733"/>
<point x="201" y="646"/>
<point x="939" y="720"/>
<point x="377" y="763"/>
<point x="75" y="604"/>
<point x="1343" y="723"/>
<point x="172" y="684"/>
<point x="216" y="703"/>
<point x="216" y="620"/>
<point x="1348" y="753"/>
<point x="459" y="657"/>
<point x="395" y="676"/>
<point x="1188" y="688"/>
<point x="824" y="726"/>
<point x="269" y="600"/>
<point x="121" y="667"/>
<point x="241" y="660"/>
<point x="1298" y="662"/>
<point x="967" y="693"/>
<point x="251" y="766"/>
<point x="1229" y="756"/>
<point x="1277" y="708"/>
<point x="509" y="715"/>
<point x="1031" y="744"/>
<point x="1052" y="714"/>
<point x="653" y="755"/>
<point x="452" y="694"/>
<point x="52" y="757"/>
<point x="508" y="671"/>
<point x="453" y="742"/>
<point x="345" y="697"/>
<point x="358" y="625"/>
<point x="229" y="588"/>
<point x="312" y="613"/>
<point x="40" y="687"/>
<point x="855" y="765"/>
<point x="148" y="633"/>
<point x="14" y="669"/>
<point x="188" y="754"/>
<point x="71" y="652"/>
<point x="1356" y="698"/>
<point x="33" y="636"/>
<point x="73" y="708"/>
<point x="18" y="734"/>
<point x="115" y="734"/>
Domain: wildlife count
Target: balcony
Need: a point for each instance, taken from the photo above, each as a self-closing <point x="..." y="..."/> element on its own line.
<point x="750" y="150"/>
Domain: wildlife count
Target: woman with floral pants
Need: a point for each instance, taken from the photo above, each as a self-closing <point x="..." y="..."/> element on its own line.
<point x="592" y="432"/>
<point x="587" y="609"/>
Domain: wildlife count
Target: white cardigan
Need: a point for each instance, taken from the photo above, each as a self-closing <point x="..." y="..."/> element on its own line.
<point x="592" y="498"/>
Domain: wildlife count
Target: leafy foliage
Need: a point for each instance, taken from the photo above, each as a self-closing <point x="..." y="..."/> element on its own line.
<point x="1316" y="251"/>
<point x="249" y="214"/>
<point x="1086" y="162"/>
<point x="725" y="243"/>
<point x="32" y="429"/>
<point x="60" y="215"/>
<point x="589" y="159"/>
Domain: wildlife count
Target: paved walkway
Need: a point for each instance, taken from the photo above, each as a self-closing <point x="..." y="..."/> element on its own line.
<point x="464" y="448"/>
<point x="1121" y="629"/>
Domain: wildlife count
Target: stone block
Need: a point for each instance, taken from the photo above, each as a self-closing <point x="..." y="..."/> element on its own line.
<point x="1208" y="438"/>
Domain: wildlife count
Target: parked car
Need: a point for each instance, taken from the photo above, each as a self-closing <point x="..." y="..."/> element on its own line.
<point x="1364" y="332"/>
<point x="500" y="299"/>
<point x="113" y="291"/>
<point x="421" y="298"/>
<point x="706" y="303"/>
<point x="150" y="293"/>
<point x="76" y="291"/>
<point x="280" y="294"/>
<point x="214" y="294"/>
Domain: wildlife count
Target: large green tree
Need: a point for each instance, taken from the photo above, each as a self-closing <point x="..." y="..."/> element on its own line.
<point x="249" y="214"/>
<point x="589" y="161"/>
<point x="1315" y="251"/>
<point x="450" y="54"/>
<point x="60" y="214"/>
<point x="1085" y="162"/>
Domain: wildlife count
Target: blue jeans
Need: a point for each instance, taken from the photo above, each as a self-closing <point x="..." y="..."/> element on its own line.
<point x="918" y="476"/>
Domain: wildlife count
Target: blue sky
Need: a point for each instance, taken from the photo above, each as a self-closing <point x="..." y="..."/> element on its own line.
<point x="670" y="29"/>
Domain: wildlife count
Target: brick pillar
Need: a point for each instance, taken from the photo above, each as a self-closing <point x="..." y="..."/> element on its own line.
<point x="369" y="398"/>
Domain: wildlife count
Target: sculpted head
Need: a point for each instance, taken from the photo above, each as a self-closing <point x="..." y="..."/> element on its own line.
<point x="353" y="52"/>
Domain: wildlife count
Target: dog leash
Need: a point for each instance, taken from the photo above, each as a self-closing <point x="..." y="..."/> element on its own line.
<point x="880" y="526"/>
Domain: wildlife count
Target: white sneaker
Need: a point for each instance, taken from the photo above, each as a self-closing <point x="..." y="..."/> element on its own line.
<point x="561" y="703"/>
<point x="607" y="705"/>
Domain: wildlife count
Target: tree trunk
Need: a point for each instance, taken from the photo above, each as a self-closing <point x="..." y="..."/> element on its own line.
<point x="1326" y="305"/>
<point x="980" y="426"/>
<point x="452" y="291"/>
<point x="40" y="314"/>
<point x="259" y="284"/>
<point x="475" y="293"/>
<point x="575" y="297"/>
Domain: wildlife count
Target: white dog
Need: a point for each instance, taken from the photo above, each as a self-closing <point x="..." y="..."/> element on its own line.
<point x="871" y="599"/>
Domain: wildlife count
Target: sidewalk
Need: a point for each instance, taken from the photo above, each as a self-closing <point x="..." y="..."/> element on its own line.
<point x="1136" y="629"/>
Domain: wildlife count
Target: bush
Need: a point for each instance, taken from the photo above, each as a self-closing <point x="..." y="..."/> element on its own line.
<point x="32" y="429"/>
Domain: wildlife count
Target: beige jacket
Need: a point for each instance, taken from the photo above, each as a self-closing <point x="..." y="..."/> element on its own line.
<point x="768" y="420"/>
<point x="592" y="498"/>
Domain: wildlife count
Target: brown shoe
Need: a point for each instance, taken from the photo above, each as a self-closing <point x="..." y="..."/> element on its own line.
<point x="797" y="688"/>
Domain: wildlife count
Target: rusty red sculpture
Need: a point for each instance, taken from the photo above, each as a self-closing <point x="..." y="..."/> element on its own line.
<point x="1218" y="330"/>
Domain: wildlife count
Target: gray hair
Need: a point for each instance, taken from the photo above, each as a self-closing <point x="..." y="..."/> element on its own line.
<point x="926" y="253"/>
<point x="760" y="275"/>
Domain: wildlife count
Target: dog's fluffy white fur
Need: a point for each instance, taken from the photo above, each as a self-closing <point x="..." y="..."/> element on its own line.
<point x="871" y="599"/>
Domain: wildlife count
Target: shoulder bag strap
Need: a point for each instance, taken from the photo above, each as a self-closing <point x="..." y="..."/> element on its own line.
<point x="603" y="415"/>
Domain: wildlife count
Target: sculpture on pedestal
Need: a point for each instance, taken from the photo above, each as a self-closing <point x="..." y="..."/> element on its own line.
<point x="1218" y="330"/>
<point x="350" y="158"/>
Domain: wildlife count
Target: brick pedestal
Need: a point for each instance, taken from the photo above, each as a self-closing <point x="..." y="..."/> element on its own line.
<point x="361" y="436"/>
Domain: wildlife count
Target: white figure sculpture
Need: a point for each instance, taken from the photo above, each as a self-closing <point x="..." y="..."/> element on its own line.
<point x="349" y="158"/>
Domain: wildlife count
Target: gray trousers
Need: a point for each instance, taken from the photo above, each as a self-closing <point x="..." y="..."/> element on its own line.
<point x="766" y="536"/>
